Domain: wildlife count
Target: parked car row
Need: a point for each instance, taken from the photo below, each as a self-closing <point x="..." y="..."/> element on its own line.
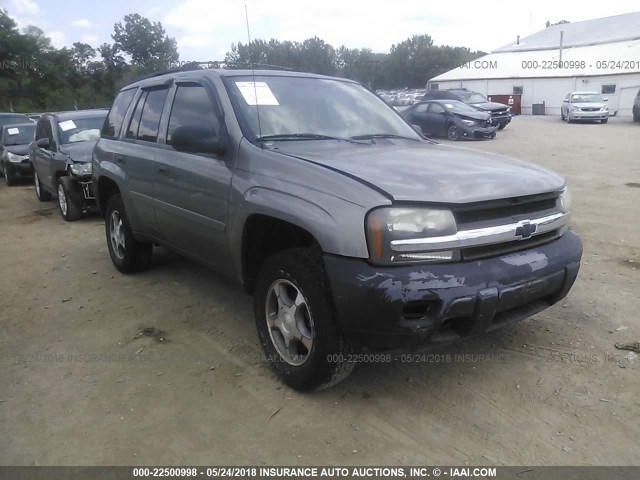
<point x="354" y="233"/>
<point x="56" y="152"/>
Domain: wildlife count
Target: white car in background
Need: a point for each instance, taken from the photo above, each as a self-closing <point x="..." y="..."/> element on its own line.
<point x="584" y="106"/>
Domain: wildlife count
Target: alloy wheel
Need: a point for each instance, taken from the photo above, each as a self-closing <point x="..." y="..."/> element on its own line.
<point x="289" y="322"/>
<point x="62" y="200"/>
<point x="116" y="234"/>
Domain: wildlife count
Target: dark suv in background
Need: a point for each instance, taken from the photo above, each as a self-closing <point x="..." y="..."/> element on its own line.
<point x="500" y="113"/>
<point x="61" y="157"/>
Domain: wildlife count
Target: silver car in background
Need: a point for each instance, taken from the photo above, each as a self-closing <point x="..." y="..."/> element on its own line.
<point x="584" y="106"/>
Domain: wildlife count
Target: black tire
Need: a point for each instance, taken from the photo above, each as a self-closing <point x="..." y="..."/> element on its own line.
<point x="41" y="193"/>
<point x="325" y="364"/>
<point x="453" y="133"/>
<point x="134" y="255"/>
<point x="561" y="115"/>
<point x="636" y="115"/>
<point x="9" y="179"/>
<point x="606" y="120"/>
<point x="502" y="126"/>
<point x="68" y="194"/>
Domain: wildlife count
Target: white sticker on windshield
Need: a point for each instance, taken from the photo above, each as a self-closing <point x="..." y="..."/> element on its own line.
<point x="13" y="131"/>
<point x="67" y="125"/>
<point x="257" y="93"/>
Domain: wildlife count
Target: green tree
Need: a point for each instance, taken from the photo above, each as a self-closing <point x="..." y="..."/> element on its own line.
<point x="146" y="42"/>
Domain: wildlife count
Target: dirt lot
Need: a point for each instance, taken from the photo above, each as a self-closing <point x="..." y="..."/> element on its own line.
<point x="80" y="385"/>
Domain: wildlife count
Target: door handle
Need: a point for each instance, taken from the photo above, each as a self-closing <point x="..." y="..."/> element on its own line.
<point x="120" y="159"/>
<point x="163" y="169"/>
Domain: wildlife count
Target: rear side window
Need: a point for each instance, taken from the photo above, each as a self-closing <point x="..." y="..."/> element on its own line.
<point x="113" y="122"/>
<point x="192" y="106"/>
<point x="134" y="124"/>
<point x="151" y="112"/>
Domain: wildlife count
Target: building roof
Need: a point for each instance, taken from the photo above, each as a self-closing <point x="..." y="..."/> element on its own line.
<point x="588" y="32"/>
<point x="603" y="46"/>
<point x="604" y="59"/>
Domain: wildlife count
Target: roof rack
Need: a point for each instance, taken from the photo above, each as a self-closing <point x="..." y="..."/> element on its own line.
<point x="193" y="66"/>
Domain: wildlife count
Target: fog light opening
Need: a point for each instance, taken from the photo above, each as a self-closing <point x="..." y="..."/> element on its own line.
<point x="423" y="256"/>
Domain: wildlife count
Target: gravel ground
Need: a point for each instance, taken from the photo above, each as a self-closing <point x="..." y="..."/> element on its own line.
<point x="164" y="367"/>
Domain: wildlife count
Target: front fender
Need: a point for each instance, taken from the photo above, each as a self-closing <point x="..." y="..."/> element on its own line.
<point x="337" y="225"/>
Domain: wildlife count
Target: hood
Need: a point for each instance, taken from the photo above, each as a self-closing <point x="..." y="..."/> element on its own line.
<point x="79" y="152"/>
<point x="590" y="105"/>
<point x="472" y="115"/>
<point x="417" y="171"/>
<point x="17" y="149"/>
<point x="490" y="106"/>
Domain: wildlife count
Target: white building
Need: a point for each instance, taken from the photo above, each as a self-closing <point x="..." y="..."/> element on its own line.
<point x="601" y="55"/>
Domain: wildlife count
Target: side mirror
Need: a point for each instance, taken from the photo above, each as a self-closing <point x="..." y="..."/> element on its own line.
<point x="198" y="139"/>
<point x="606" y="99"/>
<point x="43" y="143"/>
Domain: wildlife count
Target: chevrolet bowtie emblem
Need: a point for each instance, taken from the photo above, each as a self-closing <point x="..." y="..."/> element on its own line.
<point x="525" y="229"/>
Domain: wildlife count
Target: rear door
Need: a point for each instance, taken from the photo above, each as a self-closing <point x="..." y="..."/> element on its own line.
<point x="418" y="116"/>
<point x="437" y="118"/>
<point x="140" y="153"/>
<point x="191" y="191"/>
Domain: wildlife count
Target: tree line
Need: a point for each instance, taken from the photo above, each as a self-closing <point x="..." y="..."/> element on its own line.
<point x="36" y="76"/>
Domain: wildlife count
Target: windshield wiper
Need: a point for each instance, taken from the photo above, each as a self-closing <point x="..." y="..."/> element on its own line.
<point x="371" y="136"/>
<point x="305" y="136"/>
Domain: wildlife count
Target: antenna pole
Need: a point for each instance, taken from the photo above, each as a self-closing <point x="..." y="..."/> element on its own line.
<point x="253" y="71"/>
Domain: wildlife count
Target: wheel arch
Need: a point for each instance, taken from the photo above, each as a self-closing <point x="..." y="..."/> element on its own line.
<point x="264" y="235"/>
<point x="105" y="188"/>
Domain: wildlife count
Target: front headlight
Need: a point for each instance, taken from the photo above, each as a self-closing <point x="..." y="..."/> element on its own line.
<point x="81" y="169"/>
<point x="574" y="108"/>
<point x="469" y="122"/>
<point x="385" y="225"/>
<point x="605" y="109"/>
<point x="564" y="200"/>
<point x="15" y="158"/>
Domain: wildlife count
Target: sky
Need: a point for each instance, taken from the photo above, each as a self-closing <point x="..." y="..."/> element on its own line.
<point x="205" y="29"/>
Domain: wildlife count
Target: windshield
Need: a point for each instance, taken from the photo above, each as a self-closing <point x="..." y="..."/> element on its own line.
<point x="458" y="107"/>
<point x="13" y="119"/>
<point x="316" y="106"/>
<point x="80" y="129"/>
<point x="586" y="98"/>
<point x="18" y="135"/>
<point x="475" y="98"/>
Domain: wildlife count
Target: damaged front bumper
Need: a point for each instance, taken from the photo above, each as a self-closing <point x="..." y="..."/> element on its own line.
<point x="82" y="193"/>
<point x="422" y="306"/>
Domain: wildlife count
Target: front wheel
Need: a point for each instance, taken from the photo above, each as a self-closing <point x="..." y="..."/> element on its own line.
<point x="296" y="321"/>
<point x="606" y="120"/>
<point x="9" y="179"/>
<point x="453" y="133"/>
<point x="67" y="203"/>
<point x="502" y="126"/>
<point x="127" y="254"/>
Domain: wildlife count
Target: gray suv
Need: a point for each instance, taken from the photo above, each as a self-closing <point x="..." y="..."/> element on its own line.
<point x="354" y="234"/>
